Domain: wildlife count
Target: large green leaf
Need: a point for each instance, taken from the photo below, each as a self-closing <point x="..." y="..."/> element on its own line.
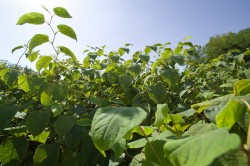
<point x="161" y="113"/>
<point x="170" y="75"/>
<point x="37" y="40"/>
<point x="13" y="149"/>
<point x="43" y="62"/>
<point x="7" y="113"/>
<point x="68" y="52"/>
<point x="46" y="154"/>
<point x="67" y="30"/>
<point x="201" y="149"/>
<point x="31" y="18"/>
<point x="9" y="76"/>
<point x="230" y="114"/>
<point x="110" y="125"/>
<point x="74" y="137"/>
<point x="36" y="122"/>
<point x="157" y="93"/>
<point x="61" y="12"/>
<point x="125" y="82"/>
<point x="63" y="124"/>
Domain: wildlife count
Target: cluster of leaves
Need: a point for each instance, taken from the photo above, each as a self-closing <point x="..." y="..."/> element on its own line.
<point x="110" y="111"/>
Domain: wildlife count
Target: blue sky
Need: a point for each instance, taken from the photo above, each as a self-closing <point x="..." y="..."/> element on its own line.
<point x="115" y="22"/>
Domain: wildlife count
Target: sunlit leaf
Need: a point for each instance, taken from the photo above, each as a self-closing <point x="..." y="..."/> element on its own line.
<point x="62" y="12"/>
<point x="67" y="30"/>
<point x="31" y="18"/>
<point x="201" y="149"/>
<point x="110" y="125"/>
<point x="37" y="40"/>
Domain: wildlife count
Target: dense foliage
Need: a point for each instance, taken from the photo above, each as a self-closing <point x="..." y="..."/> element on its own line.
<point x="110" y="111"/>
<point x="221" y="44"/>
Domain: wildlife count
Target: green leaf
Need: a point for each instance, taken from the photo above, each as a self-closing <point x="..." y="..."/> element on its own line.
<point x="156" y="155"/>
<point x="110" y="125"/>
<point x="64" y="124"/>
<point x="75" y="137"/>
<point x="9" y="76"/>
<point x="62" y="12"/>
<point x="119" y="148"/>
<point x="36" y="122"/>
<point x="170" y="75"/>
<point x="16" y="48"/>
<point x="139" y="143"/>
<point x="157" y="93"/>
<point x="201" y="149"/>
<point x="180" y="59"/>
<point x="46" y="154"/>
<point x="68" y="52"/>
<point x="42" y="138"/>
<point x="147" y="50"/>
<point x="45" y="99"/>
<point x="67" y="30"/>
<point x="230" y="114"/>
<point x="37" y="40"/>
<point x="14" y="148"/>
<point x="161" y="113"/>
<point x="31" y="18"/>
<point x="27" y="83"/>
<point x="145" y="58"/>
<point x="242" y="87"/>
<point x="125" y="82"/>
<point x="33" y="56"/>
<point x="7" y="113"/>
<point x="43" y="62"/>
<point x="56" y="109"/>
<point x="84" y="122"/>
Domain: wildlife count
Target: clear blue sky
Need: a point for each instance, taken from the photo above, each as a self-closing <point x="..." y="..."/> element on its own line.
<point x="115" y="22"/>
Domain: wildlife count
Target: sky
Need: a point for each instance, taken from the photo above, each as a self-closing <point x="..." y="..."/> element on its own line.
<point x="116" y="22"/>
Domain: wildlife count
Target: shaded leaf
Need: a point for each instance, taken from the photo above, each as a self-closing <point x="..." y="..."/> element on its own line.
<point x="46" y="154"/>
<point x="157" y="93"/>
<point x="14" y="148"/>
<point x="36" y="122"/>
<point x="7" y="113"/>
<point x="63" y="125"/>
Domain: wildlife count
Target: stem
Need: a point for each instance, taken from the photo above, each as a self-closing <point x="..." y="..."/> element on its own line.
<point x="54" y="34"/>
<point x="151" y="146"/>
<point x="23" y="53"/>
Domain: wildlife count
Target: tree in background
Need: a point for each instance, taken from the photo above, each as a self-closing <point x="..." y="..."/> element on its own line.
<point x="221" y="44"/>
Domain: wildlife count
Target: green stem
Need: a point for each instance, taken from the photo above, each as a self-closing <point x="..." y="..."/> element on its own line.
<point x="151" y="146"/>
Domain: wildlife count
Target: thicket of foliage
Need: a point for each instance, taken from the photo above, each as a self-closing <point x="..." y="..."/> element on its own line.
<point x="110" y="111"/>
<point x="221" y="44"/>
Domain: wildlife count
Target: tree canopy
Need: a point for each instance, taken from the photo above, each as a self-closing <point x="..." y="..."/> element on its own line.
<point x="221" y="44"/>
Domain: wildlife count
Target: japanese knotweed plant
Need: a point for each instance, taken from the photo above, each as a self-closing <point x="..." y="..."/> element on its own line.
<point x="111" y="111"/>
